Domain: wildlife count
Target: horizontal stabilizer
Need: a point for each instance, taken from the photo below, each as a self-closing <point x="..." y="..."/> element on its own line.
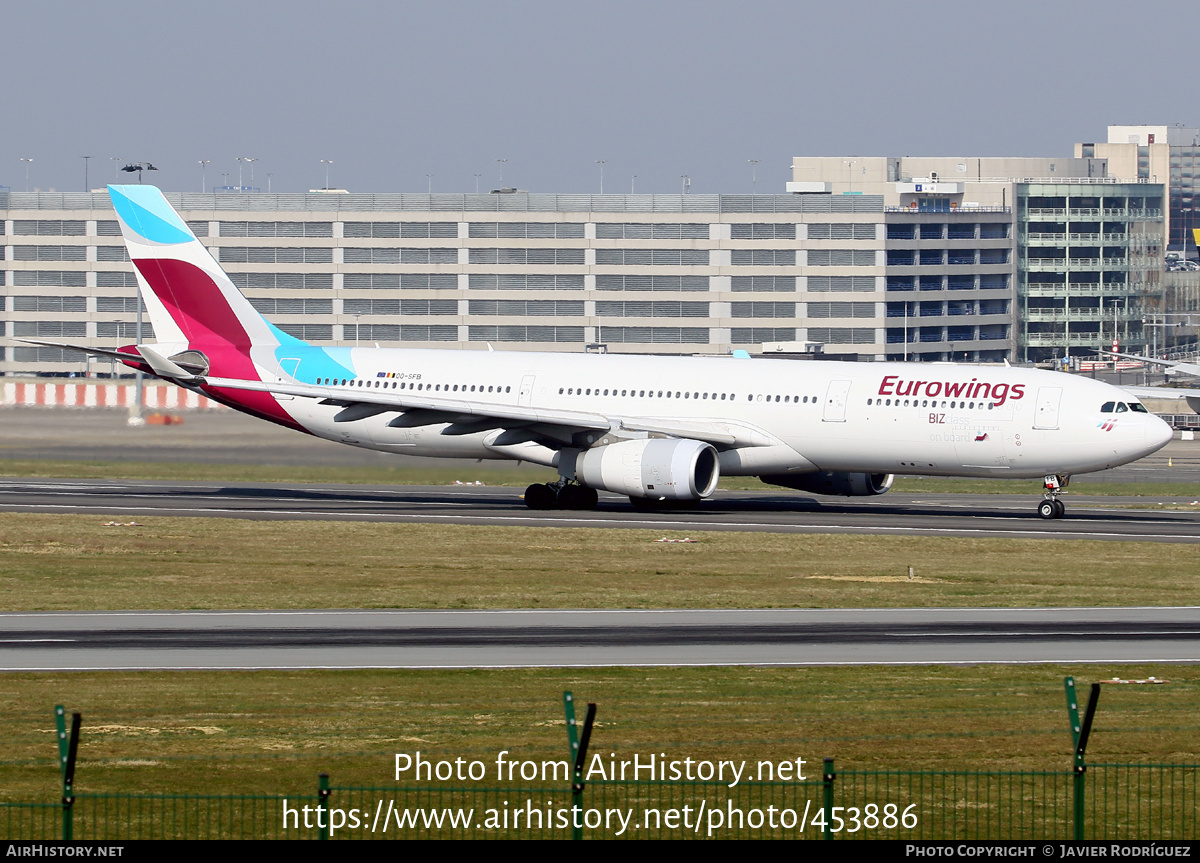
<point x="110" y="353"/>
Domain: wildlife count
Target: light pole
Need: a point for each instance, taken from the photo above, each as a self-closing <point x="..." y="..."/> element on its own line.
<point x="240" y="160"/>
<point x="87" y="187"/>
<point x="477" y="176"/>
<point x="501" y="162"/>
<point x="203" y="174"/>
<point x="850" y="163"/>
<point x="27" y="162"/>
<point x="601" y="163"/>
<point x="753" y="175"/>
<point x="357" y="315"/>
<point x="136" y="411"/>
<point x="269" y="176"/>
<point x="116" y="160"/>
<point x="687" y="183"/>
<point x="429" y="183"/>
<point x="327" y="163"/>
<point x="632" y="183"/>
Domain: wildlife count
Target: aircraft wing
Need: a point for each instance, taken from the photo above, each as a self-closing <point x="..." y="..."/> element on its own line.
<point x="1170" y="365"/>
<point x="1191" y="396"/>
<point x="467" y="416"/>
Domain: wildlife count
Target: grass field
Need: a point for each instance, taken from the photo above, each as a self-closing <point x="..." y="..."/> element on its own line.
<point x="273" y="732"/>
<point x="508" y="476"/>
<point x="79" y="562"/>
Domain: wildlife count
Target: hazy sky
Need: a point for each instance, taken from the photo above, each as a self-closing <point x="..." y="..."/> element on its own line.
<point x="394" y="91"/>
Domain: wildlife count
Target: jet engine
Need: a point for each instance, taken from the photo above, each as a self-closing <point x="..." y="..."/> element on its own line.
<point x="659" y="469"/>
<point x="834" y="482"/>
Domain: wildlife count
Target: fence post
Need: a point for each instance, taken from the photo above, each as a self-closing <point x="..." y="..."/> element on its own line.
<point x="573" y="744"/>
<point x="827" y="778"/>
<point x="323" y="803"/>
<point x="1080" y="731"/>
<point x="68" y="749"/>
<point x="579" y="747"/>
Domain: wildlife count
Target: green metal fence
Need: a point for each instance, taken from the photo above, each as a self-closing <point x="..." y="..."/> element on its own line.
<point x="1143" y="801"/>
<point x="30" y="820"/>
<point x="183" y="816"/>
<point x="1122" y="801"/>
<point x="1092" y="801"/>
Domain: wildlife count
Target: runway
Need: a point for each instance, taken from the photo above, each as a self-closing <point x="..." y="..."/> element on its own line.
<point x="587" y="638"/>
<point x="1089" y="517"/>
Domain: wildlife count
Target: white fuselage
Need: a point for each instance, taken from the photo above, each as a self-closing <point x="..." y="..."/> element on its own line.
<point x="912" y="418"/>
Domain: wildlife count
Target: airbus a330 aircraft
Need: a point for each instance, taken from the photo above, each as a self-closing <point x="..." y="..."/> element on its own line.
<point x="658" y="429"/>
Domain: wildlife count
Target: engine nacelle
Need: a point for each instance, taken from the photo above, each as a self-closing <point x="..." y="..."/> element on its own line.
<point x="659" y="469"/>
<point x="835" y="482"/>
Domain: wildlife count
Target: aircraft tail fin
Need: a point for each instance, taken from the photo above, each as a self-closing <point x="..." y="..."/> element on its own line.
<point x="190" y="299"/>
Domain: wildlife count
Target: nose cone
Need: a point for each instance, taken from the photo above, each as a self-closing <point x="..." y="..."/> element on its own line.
<point x="1158" y="434"/>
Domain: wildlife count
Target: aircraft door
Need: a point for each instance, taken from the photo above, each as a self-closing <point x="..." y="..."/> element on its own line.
<point x="1048" y="399"/>
<point x="526" y="395"/>
<point x="835" y="401"/>
<point x="288" y="368"/>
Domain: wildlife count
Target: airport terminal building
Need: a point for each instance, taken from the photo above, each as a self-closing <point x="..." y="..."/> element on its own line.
<point x="662" y="274"/>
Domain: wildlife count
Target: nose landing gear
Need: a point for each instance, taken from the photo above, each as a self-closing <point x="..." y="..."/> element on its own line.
<point x="1051" y="506"/>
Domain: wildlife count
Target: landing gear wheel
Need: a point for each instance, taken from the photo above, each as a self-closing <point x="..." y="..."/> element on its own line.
<point x="1048" y="509"/>
<point x="541" y="496"/>
<point x="577" y="497"/>
<point x="1060" y="509"/>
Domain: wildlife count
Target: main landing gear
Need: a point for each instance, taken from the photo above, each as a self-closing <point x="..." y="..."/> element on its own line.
<point x="560" y="495"/>
<point x="1051" y="506"/>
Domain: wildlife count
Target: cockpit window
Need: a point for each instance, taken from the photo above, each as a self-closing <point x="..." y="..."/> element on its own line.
<point x="1138" y="407"/>
<point x="1107" y="407"/>
<point x="1122" y="408"/>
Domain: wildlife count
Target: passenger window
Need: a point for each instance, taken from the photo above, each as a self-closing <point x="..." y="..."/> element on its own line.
<point x="1107" y="407"/>
<point x="1121" y="408"/>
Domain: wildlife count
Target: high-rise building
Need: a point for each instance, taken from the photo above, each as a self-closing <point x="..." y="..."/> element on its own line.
<point x="1163" y="154"/>
<point x="1088" y="246"/>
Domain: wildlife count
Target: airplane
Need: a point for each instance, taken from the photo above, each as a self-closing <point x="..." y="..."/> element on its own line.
<point x="660" y="430"/>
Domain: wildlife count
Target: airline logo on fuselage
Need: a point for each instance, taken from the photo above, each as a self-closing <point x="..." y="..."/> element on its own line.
<point x="892" y="385"/>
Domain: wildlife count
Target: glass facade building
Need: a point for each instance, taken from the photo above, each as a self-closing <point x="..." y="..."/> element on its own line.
<point x="1089" y="266"/>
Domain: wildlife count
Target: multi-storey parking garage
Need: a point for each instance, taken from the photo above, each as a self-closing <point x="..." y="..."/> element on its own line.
<point x="637" y="273"/>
